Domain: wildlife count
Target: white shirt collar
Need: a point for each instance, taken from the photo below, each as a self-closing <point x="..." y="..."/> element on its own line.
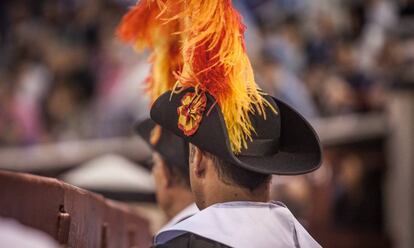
<point x="244" y="225"/>
<point x="188" y="211"/>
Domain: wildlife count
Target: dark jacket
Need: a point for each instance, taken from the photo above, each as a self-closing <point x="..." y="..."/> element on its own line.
<point x="190" y="240"/>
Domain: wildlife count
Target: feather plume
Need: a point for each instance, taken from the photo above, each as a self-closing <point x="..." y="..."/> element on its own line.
<point x="200" y="44"/>
<point x="144" y="26"/>
<point x="215" y="61"/>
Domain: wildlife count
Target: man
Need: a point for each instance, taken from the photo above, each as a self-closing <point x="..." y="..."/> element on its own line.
<point x="170" y="171"/>
<point x="233" y="190"/>
<point x="239" y="136"/>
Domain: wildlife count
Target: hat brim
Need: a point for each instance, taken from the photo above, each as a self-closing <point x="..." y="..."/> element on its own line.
<point x="144" y="129"/>
<point x="299" y="149"/>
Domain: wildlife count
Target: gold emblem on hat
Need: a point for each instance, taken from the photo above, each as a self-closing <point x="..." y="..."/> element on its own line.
<point x="190" y="113"/>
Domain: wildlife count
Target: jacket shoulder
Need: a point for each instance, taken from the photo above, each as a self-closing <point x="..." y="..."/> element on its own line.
<point x="190" y="240"/>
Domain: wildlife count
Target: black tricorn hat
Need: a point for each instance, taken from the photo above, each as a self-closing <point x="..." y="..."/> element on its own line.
<point x="173" y="149"/>
<point x="284" y="143"/>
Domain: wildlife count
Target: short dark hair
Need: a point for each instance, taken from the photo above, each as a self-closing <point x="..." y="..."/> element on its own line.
<point x="236" y="175"/>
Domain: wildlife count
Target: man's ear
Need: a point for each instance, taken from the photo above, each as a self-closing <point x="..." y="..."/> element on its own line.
<point x="167" y="176"/>
<point x="161" y="172"/>
<point x="197" y="163"/>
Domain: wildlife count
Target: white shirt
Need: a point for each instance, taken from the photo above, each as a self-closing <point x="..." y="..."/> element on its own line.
<point x="16" y="235"/>
<point x="244" y="225"/>
<point x="189" y="211"/>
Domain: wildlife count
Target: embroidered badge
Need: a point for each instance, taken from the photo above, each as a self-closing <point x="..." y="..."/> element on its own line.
<point x="191" y="112"/>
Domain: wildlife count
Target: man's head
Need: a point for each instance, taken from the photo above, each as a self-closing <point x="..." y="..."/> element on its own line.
<point x="170" y="169"/>
<point x="172" y="183"/>
<point x="214" y="180"/>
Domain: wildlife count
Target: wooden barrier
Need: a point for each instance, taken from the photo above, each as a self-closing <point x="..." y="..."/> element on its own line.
<point x="72" y="216"/>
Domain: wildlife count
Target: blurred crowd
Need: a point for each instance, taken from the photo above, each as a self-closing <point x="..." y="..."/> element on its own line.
<point x="64" y="75"/>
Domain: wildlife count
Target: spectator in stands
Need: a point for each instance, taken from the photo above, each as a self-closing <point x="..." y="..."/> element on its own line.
<point x="281" y="82"/>
<point x="170" y="170"/>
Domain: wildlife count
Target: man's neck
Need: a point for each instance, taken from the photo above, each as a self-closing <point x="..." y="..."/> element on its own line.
<point x="227" y="193"/>
<point x="180" y="201"/>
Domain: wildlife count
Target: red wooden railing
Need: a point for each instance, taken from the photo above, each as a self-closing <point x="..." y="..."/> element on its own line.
<point x="73" y="216"/>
